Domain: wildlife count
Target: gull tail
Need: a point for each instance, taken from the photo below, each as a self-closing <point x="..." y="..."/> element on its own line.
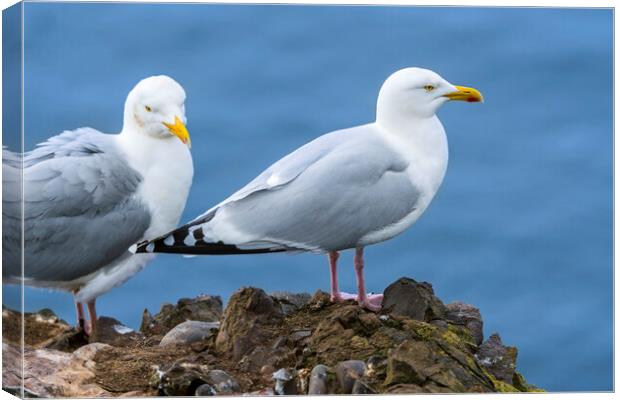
<point x="190" y="239"/>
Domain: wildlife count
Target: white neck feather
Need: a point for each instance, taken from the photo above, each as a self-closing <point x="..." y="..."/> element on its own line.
<point x="421" y="139"/>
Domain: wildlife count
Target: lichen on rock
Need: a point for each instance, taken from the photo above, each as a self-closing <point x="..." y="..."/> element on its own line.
<point x="282" y="343"/>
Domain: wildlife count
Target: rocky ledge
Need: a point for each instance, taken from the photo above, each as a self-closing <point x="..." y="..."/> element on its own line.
<point x="266" y="344"/>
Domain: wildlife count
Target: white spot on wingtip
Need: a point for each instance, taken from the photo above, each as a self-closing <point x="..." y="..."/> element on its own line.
<point x="133" y="248"/>
<point x="169" y="241"/>
<point x="150" y="247"/>
<point x="189" y="240"/>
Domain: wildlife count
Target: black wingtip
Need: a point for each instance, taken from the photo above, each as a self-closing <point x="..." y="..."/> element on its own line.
<point x="190" y="240"/>
<point x="140" y="247"/>
<point x="200" y="247"/>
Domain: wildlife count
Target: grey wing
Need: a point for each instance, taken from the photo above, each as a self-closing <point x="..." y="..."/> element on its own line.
<point x="11" y="209"/>
<point x="80" y="208"/>
<point x="357" y="187"/>
<point x="289" y="167"/>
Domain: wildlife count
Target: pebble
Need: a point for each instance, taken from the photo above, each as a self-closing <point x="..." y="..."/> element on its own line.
<point x="318" y="380"/>
<point x="205" y="390"/>
<point x="189" y="332"/>
<point x="223" y="382"/>
<point x="285" y="381"/>
<point x="299" y="335"/>
<point x="348" y="372"/>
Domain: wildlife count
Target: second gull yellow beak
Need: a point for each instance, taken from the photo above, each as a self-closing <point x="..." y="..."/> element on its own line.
<point x="179" y="130"/>
<point x="467" y="94"/>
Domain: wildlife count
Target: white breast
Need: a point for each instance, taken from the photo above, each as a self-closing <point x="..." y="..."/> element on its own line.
<point x="167" y="171"/>
<point x="426" y="149"/>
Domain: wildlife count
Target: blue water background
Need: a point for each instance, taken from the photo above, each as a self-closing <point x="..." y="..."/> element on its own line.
<point x="522" y="226"/>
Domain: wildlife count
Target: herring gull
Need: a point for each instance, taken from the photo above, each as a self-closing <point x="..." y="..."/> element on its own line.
<point x="87" y="196"/>
<point x="344" y="190"/>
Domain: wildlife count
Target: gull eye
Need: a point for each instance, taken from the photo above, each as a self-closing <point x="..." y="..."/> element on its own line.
<point x="147" y="108"/>
<point x="429" y="88"/>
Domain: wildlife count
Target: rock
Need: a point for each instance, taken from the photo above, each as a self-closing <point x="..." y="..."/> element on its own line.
<point x="111" y="331"/>
<point x="285" y="381"/>
<point x="267" y="369"/>
<point x="412" y="299"/>
<point x="319" y="300"/>
<point x="223" y="382"/>
<point x="296" y="336"/>
<point x="182" y="379"/>
<point x="361" y="387"/>
<point x="318" y="380"/>
<point x="404" y="364"/>
<point x="376" y="366"/>
<point x="246" y="322"/>
<point x="68" y="341"/>
<point x="189" y="332"/>
<point x="205" y="390"/>
<point x="440" y="323"/>
<point x="202" y="308"/>
<point x="314" y="348"/>
<point x="40" y="328"/>
<point x="347" y="372"/>
<point x="498" y="359"/>
<point x="50" y="373"/>
<point x="290" y="302"/>
<point x="260" y="356"/>
<point x="88" y="352"/>
<point x="467" y="316"/>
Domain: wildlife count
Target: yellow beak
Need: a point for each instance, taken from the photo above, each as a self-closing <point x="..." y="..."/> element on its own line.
<point x="467" y="94"/>
<point x="179" y="130"/>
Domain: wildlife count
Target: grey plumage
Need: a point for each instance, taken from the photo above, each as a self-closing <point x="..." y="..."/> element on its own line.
<point x="80" y="212"/>
<point x="325" y="196"/>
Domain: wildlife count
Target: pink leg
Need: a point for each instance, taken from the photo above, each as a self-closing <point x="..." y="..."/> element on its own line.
<point x="79" y="311"/>
<point x="336" y="295"/>
<point x="92" y="315"/>
<point x="373" y="301"/>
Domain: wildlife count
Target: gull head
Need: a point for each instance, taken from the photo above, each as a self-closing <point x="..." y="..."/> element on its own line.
<point x="417" y="92"/>
<point x="156" y="107"/>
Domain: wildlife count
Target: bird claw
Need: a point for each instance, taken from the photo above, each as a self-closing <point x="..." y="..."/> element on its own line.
<point x="85" y="327"/>
<point x="341" y="297"/>
<point x="371" y="301"/>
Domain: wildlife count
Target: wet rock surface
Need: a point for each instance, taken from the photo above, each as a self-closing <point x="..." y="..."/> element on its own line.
<point x="283" y="343"/>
